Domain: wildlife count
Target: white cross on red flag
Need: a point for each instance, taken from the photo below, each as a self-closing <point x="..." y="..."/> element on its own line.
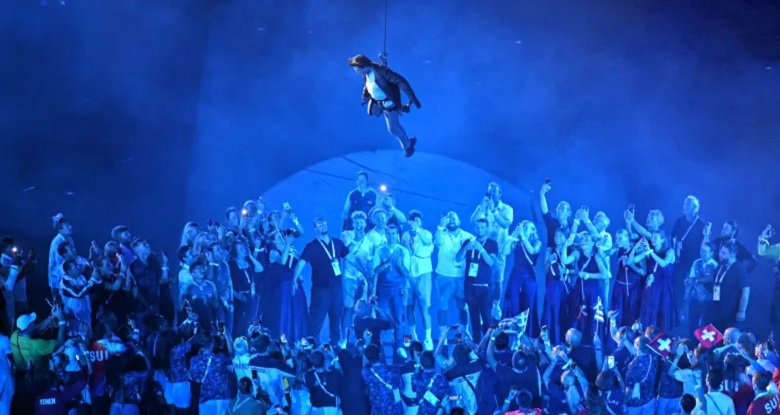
<point x="708" y="336"/>
<point x="662" y="344"/>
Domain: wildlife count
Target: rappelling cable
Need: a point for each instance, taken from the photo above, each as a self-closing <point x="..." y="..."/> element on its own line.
<point x="383" y="55"/>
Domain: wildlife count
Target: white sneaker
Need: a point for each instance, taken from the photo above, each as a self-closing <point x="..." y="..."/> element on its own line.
<point x="428" y="344"/>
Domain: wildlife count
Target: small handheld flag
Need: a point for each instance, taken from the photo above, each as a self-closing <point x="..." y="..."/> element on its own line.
<point x="708" y="336"/>
<point x="662" y="344"/>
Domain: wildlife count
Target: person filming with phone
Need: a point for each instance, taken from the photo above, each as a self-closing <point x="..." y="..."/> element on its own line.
<point x="450" y="272"/>
<point x="391" y="266"/>
<point x="480" y="255"/>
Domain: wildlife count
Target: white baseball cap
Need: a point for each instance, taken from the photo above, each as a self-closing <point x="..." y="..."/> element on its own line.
<point x="24" y="321"/>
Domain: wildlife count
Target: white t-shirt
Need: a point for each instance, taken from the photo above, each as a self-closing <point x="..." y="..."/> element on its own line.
<point x="421" y="254"/>
<point x="375" y="240"/>
<point x="185" y="279"/>
<point x="718" y="403"/>
<point x="362" y="254"/>
<point x="448" y="265"/>
<point x="55" y="260"/>
<point x="241" y="366"/>
<point x="373" y="89"/>
<point x="689" y="378"/>
<point x="495" y="231"/>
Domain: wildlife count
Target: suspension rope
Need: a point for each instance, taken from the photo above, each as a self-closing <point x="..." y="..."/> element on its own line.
<point x="383" y="55"/>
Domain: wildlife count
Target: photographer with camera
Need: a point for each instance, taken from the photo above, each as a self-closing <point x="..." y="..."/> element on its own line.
<point x="522" y="375"/>
<point x="324" y="383"/>
<point x="270" y="373"/>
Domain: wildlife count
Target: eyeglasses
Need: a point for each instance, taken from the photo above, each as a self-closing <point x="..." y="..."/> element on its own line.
<point x="322" y="223"/>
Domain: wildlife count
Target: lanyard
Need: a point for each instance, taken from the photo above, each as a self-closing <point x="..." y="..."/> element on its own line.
<point x="430" y="384"/>
<point x="581" y="282"/>
<point x="206" y="372"/>
<point x="525" y="252"/>
<point x="387" y="385"/>
<point x="585" y="265"/>
<point x="722" y="274"/>
<point x="322" y="385"/>
<point x="696" y="219"/>
<point x="248" y="280"/>
<point x="332" y="253"/>
<point x="625" y="273"/>
<point x="239" y="404"/>
<point x="553" y="263"/>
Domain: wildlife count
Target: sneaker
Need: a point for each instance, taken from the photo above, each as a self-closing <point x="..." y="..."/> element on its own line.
<point x="410" y="149"/>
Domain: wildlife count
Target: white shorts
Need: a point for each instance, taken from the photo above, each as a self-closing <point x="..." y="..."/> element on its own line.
<point x="215" y="407"/>
<point x="177" y="394"/>
<point x="328" y="410"/>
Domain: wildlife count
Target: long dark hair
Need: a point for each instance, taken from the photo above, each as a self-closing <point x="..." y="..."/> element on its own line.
<point x="594" y="402"/>
<point x="703" y="364"/>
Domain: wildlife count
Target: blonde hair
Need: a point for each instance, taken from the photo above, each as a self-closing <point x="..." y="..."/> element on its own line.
<point x="657" y="213"/>
<point x="185" y="239"/>
<point x="602" y="216"/>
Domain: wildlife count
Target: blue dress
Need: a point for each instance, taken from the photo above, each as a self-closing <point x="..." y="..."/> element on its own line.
<point x="520" y="292"/>
<point x="586" y="294"/>
<point x="291" y="312"/>
<point x="627" y="294"/>
<point x="658" y="307"/>
<point x="556" y="313"/>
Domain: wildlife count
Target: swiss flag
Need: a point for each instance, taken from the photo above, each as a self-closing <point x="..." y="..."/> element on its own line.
<point x="662" y="344"/>
<point x="708" y="336"/>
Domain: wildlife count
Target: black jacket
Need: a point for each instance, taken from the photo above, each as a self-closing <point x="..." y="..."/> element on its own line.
<point x="391" y="83"/>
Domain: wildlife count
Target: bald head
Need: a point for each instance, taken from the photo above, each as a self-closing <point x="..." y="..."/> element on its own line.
<point x="731" y="335"/>
<point x="573" y="337"/>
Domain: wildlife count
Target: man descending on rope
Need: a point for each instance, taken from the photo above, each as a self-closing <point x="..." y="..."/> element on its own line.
<point x="382" y="92"/>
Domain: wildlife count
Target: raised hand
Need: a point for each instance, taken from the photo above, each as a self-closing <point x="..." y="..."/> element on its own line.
<point x="612" y="314"/>
<point x="768" y="232"/>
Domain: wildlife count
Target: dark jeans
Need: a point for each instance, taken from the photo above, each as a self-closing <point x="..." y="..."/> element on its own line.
<point x="697" y="314"/>
<point x="390" y="302"/>
<point x="326" y="301"/>
<point x="479" y="298"/>
<point x="722" y="315"/>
